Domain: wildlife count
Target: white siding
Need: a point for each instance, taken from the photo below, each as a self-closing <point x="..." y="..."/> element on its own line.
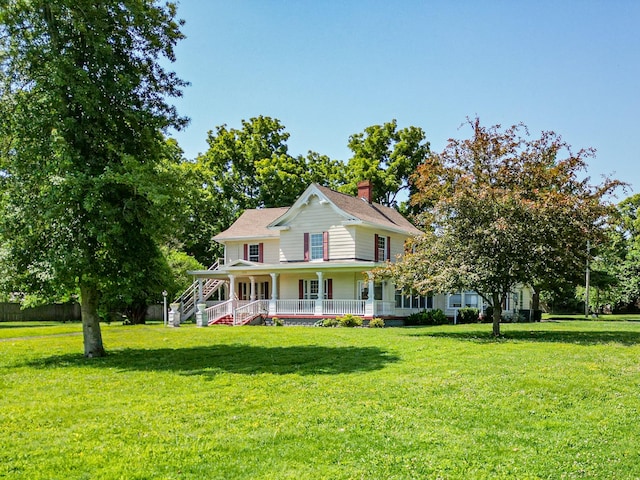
<point x="235" y="250"/>
<point x="271" y="251"/>
<point x="365" y="243"/>
<point x="316" y="218"/>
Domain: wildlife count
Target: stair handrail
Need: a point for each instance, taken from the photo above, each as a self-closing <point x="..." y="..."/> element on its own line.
<point x="249" y="311"/>
<point x="188" y="298"/>
<point x="219" y="311"/>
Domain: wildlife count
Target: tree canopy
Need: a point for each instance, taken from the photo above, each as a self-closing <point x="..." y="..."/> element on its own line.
<point x="84" y="101"/>
<point x="387" y="156"/>
<point x="500" y="210"/>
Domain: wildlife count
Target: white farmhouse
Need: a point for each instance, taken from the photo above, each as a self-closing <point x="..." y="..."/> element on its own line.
<point x="311" y="261"/>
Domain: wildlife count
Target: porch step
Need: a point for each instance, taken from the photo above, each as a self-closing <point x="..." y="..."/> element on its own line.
<point x="226" y="320"/>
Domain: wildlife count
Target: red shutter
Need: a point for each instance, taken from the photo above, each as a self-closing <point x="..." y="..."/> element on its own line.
<point x="388" y="248"/>
<point x="306" y="248"/>
<point x="325" y="246"/>
<point x="300" y="288"/>
<point x="329" y="288"/>
<point x="246" y="252"/>
<point x="261" y="252"/>
<point x="375" y="248"/>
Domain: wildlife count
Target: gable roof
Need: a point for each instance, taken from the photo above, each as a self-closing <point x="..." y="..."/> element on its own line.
<point x="264" y="222"/>
<point x="353" y="209"/>
<point x="253" y="224"/>
<point x="373" y="213"/>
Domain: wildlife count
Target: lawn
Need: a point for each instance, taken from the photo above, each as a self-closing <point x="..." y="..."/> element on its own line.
<point x="550" y="400"/>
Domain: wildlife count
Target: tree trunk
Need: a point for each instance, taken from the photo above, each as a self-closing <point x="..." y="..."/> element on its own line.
<point x="497" y="314"/>
<point x="90" y="321"/>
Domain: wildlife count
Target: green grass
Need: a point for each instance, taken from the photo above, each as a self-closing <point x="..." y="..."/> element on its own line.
<point x="616" y="317"/>
<point x="550" y="400"/>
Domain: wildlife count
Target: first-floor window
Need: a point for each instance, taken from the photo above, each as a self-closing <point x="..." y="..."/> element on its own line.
<point x="410" y="299"/>
<point x="310" y="289"/>
<point x="455" y="300"/>
<point x="464" y="299"/>
<point x="471" y="299"/>
<point x="363" y="290"/>
<point x="262" y="291"/>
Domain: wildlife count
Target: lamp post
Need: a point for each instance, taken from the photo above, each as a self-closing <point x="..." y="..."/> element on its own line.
<point x="164" y="307"/>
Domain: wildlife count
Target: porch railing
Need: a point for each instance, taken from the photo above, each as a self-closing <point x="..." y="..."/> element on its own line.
<point x="249" y="311"/>
<point x="342" y="307"/>
<point x="296" y="307"/>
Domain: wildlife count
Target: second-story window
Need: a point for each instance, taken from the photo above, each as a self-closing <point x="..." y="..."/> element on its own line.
<point x="254" y="253"/>
<point x="382" y="248"/>
<point x="316" y="246"/>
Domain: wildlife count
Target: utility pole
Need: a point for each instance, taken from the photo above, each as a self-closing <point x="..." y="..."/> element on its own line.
<point x="587" y="281"/>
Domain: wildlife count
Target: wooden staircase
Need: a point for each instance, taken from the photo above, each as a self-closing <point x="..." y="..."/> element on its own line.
<point x="189" y="297"/>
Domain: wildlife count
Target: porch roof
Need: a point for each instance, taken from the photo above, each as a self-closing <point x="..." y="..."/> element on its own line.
<point x="250" y="268"/>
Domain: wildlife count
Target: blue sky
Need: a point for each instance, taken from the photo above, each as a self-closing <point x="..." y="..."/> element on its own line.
<point x="328" y="69"/>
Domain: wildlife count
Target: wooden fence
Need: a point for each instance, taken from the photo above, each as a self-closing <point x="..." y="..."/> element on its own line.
<point x="11" y="312"/>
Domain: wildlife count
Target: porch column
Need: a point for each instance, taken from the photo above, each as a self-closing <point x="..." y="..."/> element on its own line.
<point x="320" y="299"/>
<point x="369" y="306"/>
<point x="232" y="290"/>
<point x="273" y="302"/>
<point x="200" y="291"/>
<point x="252" y="295"/>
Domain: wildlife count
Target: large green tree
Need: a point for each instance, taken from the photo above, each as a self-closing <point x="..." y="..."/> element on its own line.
<point x="502" y="210"/>
<point x="247" y="167"/>
<point x="387" y="156"/>
<point x="619" y="261"/>
<point x="84" y="100"/>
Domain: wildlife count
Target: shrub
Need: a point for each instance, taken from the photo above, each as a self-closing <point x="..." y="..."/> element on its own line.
<point x="330" y="322"/>
<point x="427" y="317"/>
<point x="350" y="320"/>
<point x="438" y="317"/>
<point x="415" y="319"/>
<point x="468" y="315"/>
<point x="376" y="323"/>
<point x="277" y="322"/>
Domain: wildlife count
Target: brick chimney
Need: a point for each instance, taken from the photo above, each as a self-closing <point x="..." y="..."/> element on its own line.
<point x="365" y="190"/>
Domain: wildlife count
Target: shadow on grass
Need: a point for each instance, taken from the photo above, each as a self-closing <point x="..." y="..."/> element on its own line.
<point x="242" y="359"/>
<point x="578" y="337"/>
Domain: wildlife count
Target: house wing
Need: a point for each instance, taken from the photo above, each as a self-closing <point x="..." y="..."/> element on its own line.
<point x="252" y="224"/>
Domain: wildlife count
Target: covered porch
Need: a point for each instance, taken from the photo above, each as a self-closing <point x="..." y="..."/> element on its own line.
<point x="310" y="291"/>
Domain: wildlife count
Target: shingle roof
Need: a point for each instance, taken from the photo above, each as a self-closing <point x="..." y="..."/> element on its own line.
<point x="369" y="212"/>
<point x="253" y="223"/>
